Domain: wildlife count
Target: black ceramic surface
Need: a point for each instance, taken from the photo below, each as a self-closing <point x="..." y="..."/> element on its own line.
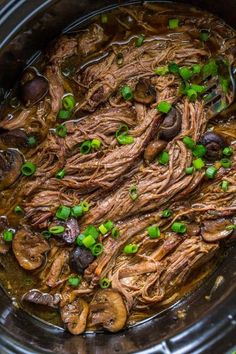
<point x="26" y="26"/>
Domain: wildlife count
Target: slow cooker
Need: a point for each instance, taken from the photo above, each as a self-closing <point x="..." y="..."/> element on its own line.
<point x="26" y="27"/>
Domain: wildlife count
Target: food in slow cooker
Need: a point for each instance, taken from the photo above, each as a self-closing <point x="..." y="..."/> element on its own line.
<point x="117" y="167"/>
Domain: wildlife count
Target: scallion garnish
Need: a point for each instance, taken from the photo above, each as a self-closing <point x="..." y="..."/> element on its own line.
<point x="18" y="209"/>
<point x="131" y="248"/>
<point x="96" y="144"/>
<point x="224" y="186"/>
<point x="173" y="23"/>
<point x="164" y="107"/>
<point x="109" y="225"/>
<point x="191" y="94"/>
<point x="204" y="35"/>
<point x="74" y="281"/>
<point x="85" y="147"/>
<point x="77" y="211"/>
<point x="28" y="168"/>
<point x="122" y="135"/>
<point x="133" y="192"/>
<point x="102" y="228"/>
<point x="196" y="68"/>
<point x="189" y="170"/>
<point x="198" y="164"/>
<point x="189" y="142"/>
<point x="64" y="114"/>
<point x="55" y="230"/>
<point x="199" y="150"/>
<point x="60" y="174"/>
<point x="104" y="283"/>
<point x="115" y="232"/>
<point x="97" y="249"/>
<point x="63" y="212"/>
<point x="119" y="58"/>
<point x="8" y="235"/>
<point x="85" y="205"/>
<point x="185" y="73"/>
<point x="166" y="213"/>
<point x="211" y="172"/>
<point x="210" y="69"/>
<point x="231" y="227"/>
<point x="162" y="70"/>
<point x="227" y="151"/>
<point x="163" y="158"/>
<point x="88" y="241"/>
<point x="61" y="130"/>
<point x="153" y="231"/>
<point x="104" y="19"/>
<point x="226" y="163"/>
<point x="179" y="227"/>
<point x="31" y="141"/>
<point x="91" y="230"/>
<point x="126" y="93"/>
<point x="139" y="41"/>
<point x="68" y="102"/>
<point x="173" y="68"/>
<point x="79" y="239"/>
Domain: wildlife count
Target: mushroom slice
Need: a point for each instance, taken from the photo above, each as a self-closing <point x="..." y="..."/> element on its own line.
<point x="153" y="149"/>
<point x="144" y="92"/>
<point x="38" y="297"/>
<point x="13" y="138"/>
<point x="33" y="87"/>
<point x="214" y="144"/>
<point x="75" y="315"/>
<point x="10" y="165"/>
<point x="108" y="310"/>
<point x="29" y="248"/>
<point x="214" y="230"/>
<point x="171" y="125"/>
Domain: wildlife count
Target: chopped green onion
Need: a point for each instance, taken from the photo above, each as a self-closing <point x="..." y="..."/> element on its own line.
<point x="85" y="205"/>
<point x="179" y="227"/>
<point x="204" y="35"/>
<point x="104" y="19"/>
<point x="77" y="211"/>
<point x="211" y="172"/>
<point x="185" y="73"/>
<point x="119" y="58"/>
<point x="173" y="23"/>
<point x="189" y="170"/>
<point x="109" y="225"/>
<point x="115" y="232"/>
<point x="74" y="281"/>
<point x="166" y="213"/>
<point x="164" y="158"/>
<point x="153" y="231"/>
<point x="199" y="150"/>
<point x="210" y="69"/>
<point x="227" y="151"/>
<point x="63" y="212"/>
<point x="198" y="88"/>
<point x="68" y="102"/>
<point x="18" y="210"/>
<point x="125" y="139"/>
<point x="92" y="231"/>
<point x="88" y="241"/>
<point x="103" y="229"/>
<point x="104" y="283"/>
<point x="96" y="144"/>
<point x="46" y="234"/>
<point x="226" y="163"/>
<point x="139" y="41"/>
<point x="122" y="130"/>
<point x="173" y="68"/>
<point x="126" y="93"/>
<point x="224" y="83"/>
<point x="61" y="130"/>
<point x="192" y="94"/>
<point x="196" y="68"/>
<point x="231" y="227"/>
<point x="189" y="142"/>
<point x="162" y="70"/>
<point x="85" y="147"/>
<point x="133" y="192"/>
<point x="131" y="248"/>
<point x="8" y="235"/>
<point x="224" y="186"/>
<point x="164" y="107"/>
<point x="55" y="230"/>
<point x="63" y="114"/>
<point x="198" y="164"/>
<point x="97" y="249"/>
<point x="28" y="168"/>
<point x="31" y="141"/>
<point x="79" y="239"/>
<point x="60" y="174"/>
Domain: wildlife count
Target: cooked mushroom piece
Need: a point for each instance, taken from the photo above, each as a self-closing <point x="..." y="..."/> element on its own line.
<point x="214" y="230"/>
<point x="80" y="259"/>
<point x="108" y="310"/>
<point x="144" y="92"/>
<point x="214" y="144"/>
<point x="75" y="315"/>
<point x="13" y="138"/>
<point x="71" y="229"/>
<point x="33" y="89"/>
<point x="38" y="297"/>
<point x="171" y="125"/>
<point x="153" y="149"/>
<point x="10" y="165"/>
<point x="29" y="249"/>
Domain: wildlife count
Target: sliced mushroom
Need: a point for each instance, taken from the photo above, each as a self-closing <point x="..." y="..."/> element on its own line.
<point x="33" y="87"/>
<point x="71" y="229"/>
<point x="4" y="246"/>
<point x="10" y="167"/>
<point x="171" y="125"/>
<point x="13" y="138"/>
<point x="214" y="230"/>
<point x="144" y="92"/>
<point x="214" y="144"/>
<point x="75" y="315"/>
<point x="37" y="297"/>
<point x="29" y="249"/>
<point x="153" y="149"/>
<point x="80" y="259"/>
<point x="108" y="310"/>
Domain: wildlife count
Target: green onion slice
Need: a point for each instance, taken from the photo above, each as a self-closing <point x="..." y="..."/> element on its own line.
<point x="97" y="249"/>
<point x="104" y="283"/>
<point x="119" y="58"/>
<point x="164" y="107"/>
<point x="46" y="234"/>
<point x="133" y="192"/>
<point x="115" y="233"/>
<point x="198" y="164"/>
<point x="173" y="68"/>
<point x="139" y="41"/>
<point x="189" y="170"/>
<point x="185" y="73"/>
<point x="161" y="70"/>
<point x="164" y="158"/>
<point x="199" y="150"/>
<point x="77" y="211"/>
<point x="79" y="239"/>
<point x="55" y="230"/>
<point x="88" y="241"/>
<point x="85" y="205"/>
<point x="18" y="209"/>
<point x="226" y="163"/>
<point x="91" y="230"/>
<point x="126" y="93"/>
<point x="153" y="231"/>
<point x="63" y="212"/>
<point x="211" y="172"/>
<point x="189" y="142"/>
<point x="85" y="147"/>
<point x="179" y="227"/>
<point x="63" y="114"/>
<point x="102" y="228"/>
<point x="204" y="35"/>
<point x="31" y="141"/>
<point x="60" y="174"/>
<point x="96" y="144"/>
<point x="104" y="19"/>
<point x="224" y="186"/>
<point x="28" y="168"/>
<point x="227" y="151"/>
<point x="173" y="23"/>
<point x="61" y="130"/>
<point x="68" y="102"/>
<point x="74" y="281"/>
<point x="8" y="235"/>
<point x="131" y="248"/>
<point x="166" y="213"/>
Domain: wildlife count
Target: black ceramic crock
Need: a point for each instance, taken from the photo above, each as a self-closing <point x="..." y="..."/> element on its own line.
<point x="26" y="26"/>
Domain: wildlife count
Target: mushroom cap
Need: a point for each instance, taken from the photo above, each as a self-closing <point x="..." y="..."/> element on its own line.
<point x="80" y="259"/>
<point x="34" y="90"/>
<point x="144" y="92"/>
<point x="10" y="167"/>
<point x="29" y="249"/>
<point x="75" y="315"/>
<point x="214" y="144"/>
<point x="13" y="138"/>
<point x="108" y="310"/>
<point x="171" y="125"/>
<point x="214" y="230"/>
